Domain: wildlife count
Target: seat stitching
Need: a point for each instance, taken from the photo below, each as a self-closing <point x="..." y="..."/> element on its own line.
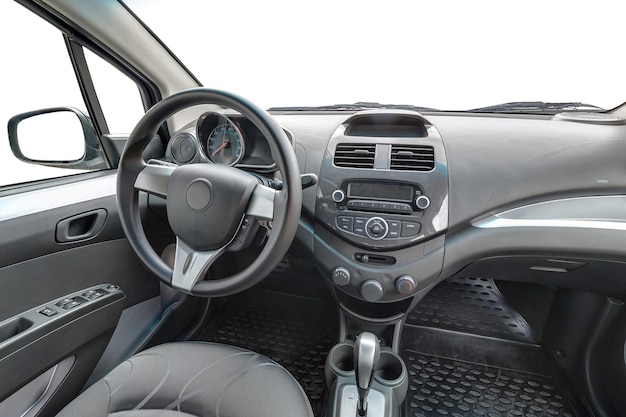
<point x="112" y="393"/>
<point x="234" y="379"/>
<point x="109" y="399"/>
<point x="191" y="394"/>
<point x="159" y="385"/>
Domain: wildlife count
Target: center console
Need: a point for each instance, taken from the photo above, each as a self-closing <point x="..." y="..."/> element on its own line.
<point x="381" y="215"/>
<point x="382" y="206"/>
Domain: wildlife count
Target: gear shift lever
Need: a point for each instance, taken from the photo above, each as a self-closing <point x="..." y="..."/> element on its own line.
<point x="366" y="354"/>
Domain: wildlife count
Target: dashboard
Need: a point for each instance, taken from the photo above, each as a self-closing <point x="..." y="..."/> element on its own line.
<point x="405" y="199"/>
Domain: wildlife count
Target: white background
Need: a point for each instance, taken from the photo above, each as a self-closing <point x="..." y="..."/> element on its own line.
<point x="444" y="54"/>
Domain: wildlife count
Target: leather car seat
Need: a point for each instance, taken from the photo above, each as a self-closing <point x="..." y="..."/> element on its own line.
<point x="193" y="379"/>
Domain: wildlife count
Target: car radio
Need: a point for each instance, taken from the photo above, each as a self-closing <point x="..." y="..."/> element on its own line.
<point x="376" y="213"/>
<point x="380" y="196"/>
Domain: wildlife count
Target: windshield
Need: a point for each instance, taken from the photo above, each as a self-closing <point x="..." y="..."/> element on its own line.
<point x="446" y="55"/>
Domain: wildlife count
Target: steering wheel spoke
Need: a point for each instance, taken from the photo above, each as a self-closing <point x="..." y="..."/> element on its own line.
<point x="153" y="179"/>
<point x="190" y="265"/>
<point x="261" y="203"/>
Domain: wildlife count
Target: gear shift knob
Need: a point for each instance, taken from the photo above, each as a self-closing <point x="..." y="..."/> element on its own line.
<point x="366" y="354"/>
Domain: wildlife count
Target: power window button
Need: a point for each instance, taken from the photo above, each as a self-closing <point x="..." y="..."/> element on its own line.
<point x="71" y="305"/>
<point x="48" y="312"/>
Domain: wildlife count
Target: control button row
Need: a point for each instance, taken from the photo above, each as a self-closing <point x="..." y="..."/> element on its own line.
<point x="380" y="205"/>
<point x="388" y="228"/>
<point x="70" y="303"/>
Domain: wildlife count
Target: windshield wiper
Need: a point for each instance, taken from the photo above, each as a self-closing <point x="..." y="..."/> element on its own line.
<point x="537" y="107"/>
<point x="361" y="105"/>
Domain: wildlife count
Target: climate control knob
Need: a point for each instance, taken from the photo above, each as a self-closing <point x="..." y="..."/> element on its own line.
<point x="338" y="196"/>
<point x="422" y="202"/>
<point x="405" y="284"/>
<point x="341" y="276"/>
<point x="372" y="290"/>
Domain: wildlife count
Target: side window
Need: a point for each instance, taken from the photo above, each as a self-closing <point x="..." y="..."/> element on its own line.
<point x="37" y="74"/>
<point x="114" y="88"/>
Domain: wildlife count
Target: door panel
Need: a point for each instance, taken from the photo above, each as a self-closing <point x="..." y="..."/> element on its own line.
<point x="38" y="271"/>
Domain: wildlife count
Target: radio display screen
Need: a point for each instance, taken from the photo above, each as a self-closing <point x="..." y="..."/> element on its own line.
<point x="380" y="191"/>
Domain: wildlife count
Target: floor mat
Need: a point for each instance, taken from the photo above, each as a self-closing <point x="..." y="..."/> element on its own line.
<point x="471" y="305"/>
<point x="441" y="386"/>
<point x="461" y="375"/>
<point x="294" y="331"/>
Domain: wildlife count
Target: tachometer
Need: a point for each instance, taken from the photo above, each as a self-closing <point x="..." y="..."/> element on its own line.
<point x="225" y="144"/>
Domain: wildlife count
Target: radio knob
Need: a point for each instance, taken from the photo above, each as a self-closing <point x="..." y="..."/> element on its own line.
<point x="405" y="284"/>
<point x="422" y="202"/>
<point x="372" y="290"/>
<point x="376" y="228"/>
<point x="338" y="196"/>
<point x="341" y="276"/>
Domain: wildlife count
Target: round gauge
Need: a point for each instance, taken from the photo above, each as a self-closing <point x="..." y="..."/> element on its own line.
<point x="225" y="144"/>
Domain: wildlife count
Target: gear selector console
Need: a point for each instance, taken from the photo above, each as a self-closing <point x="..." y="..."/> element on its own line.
<point x="365" y="379"/>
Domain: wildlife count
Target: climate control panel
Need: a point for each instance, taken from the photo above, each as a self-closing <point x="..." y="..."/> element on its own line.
<point x="371" y="289"/>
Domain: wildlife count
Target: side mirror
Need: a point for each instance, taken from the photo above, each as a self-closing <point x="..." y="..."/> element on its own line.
<point x="62" y="137"/>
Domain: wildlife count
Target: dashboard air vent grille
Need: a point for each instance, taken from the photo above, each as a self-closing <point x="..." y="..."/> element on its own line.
<point x="355" y="155"/>
<point x="412" y="157"/>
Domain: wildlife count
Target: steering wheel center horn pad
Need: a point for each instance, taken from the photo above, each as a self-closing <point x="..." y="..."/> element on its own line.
<point x="206" y="202"/>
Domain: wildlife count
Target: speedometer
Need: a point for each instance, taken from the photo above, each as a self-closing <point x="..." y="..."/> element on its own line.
<point x="225" y="144"/>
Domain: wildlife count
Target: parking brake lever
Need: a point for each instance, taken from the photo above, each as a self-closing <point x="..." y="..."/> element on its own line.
<point x="366" y="355"/>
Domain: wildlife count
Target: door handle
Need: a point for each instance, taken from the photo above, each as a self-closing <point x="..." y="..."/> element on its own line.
<point x="81" y="226"/>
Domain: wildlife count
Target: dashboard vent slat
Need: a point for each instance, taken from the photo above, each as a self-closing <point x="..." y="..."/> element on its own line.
<point x="412" y="157"/>
<point x="355" y="155"/>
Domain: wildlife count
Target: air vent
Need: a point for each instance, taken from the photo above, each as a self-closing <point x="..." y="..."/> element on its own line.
<point x="412" y="157"/>
<point x="355" y="155"/>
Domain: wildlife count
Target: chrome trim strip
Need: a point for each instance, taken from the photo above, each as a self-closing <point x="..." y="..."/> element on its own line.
<point x="495" y="223"/>
<point x="37" y="201"/>
<point x="598" y="212"/>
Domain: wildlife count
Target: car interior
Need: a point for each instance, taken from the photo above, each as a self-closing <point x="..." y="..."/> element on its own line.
<point x="337" y="261"/>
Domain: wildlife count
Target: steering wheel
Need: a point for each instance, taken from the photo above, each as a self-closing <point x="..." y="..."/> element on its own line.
<point x="209" y="206"/>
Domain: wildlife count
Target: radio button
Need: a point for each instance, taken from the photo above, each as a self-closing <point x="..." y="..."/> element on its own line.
<point x="370" y="205"/>
<point x="338" y="196"/>
<point x="359" y="226"/>
<point x="355" y="204"/>
<point x="345" y="223"/>
<point x="376" y="228"/>
<point x="410" y="229"/>
<point x="406" y="208"/>
<point x="422" y="202"/>
<point x="394" y="228"/>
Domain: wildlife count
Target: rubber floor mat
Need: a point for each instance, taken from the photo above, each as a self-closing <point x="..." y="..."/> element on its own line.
<point x="450" y="387"/>
<point x="471" y="305"/>
<point x="293" y="331"/>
